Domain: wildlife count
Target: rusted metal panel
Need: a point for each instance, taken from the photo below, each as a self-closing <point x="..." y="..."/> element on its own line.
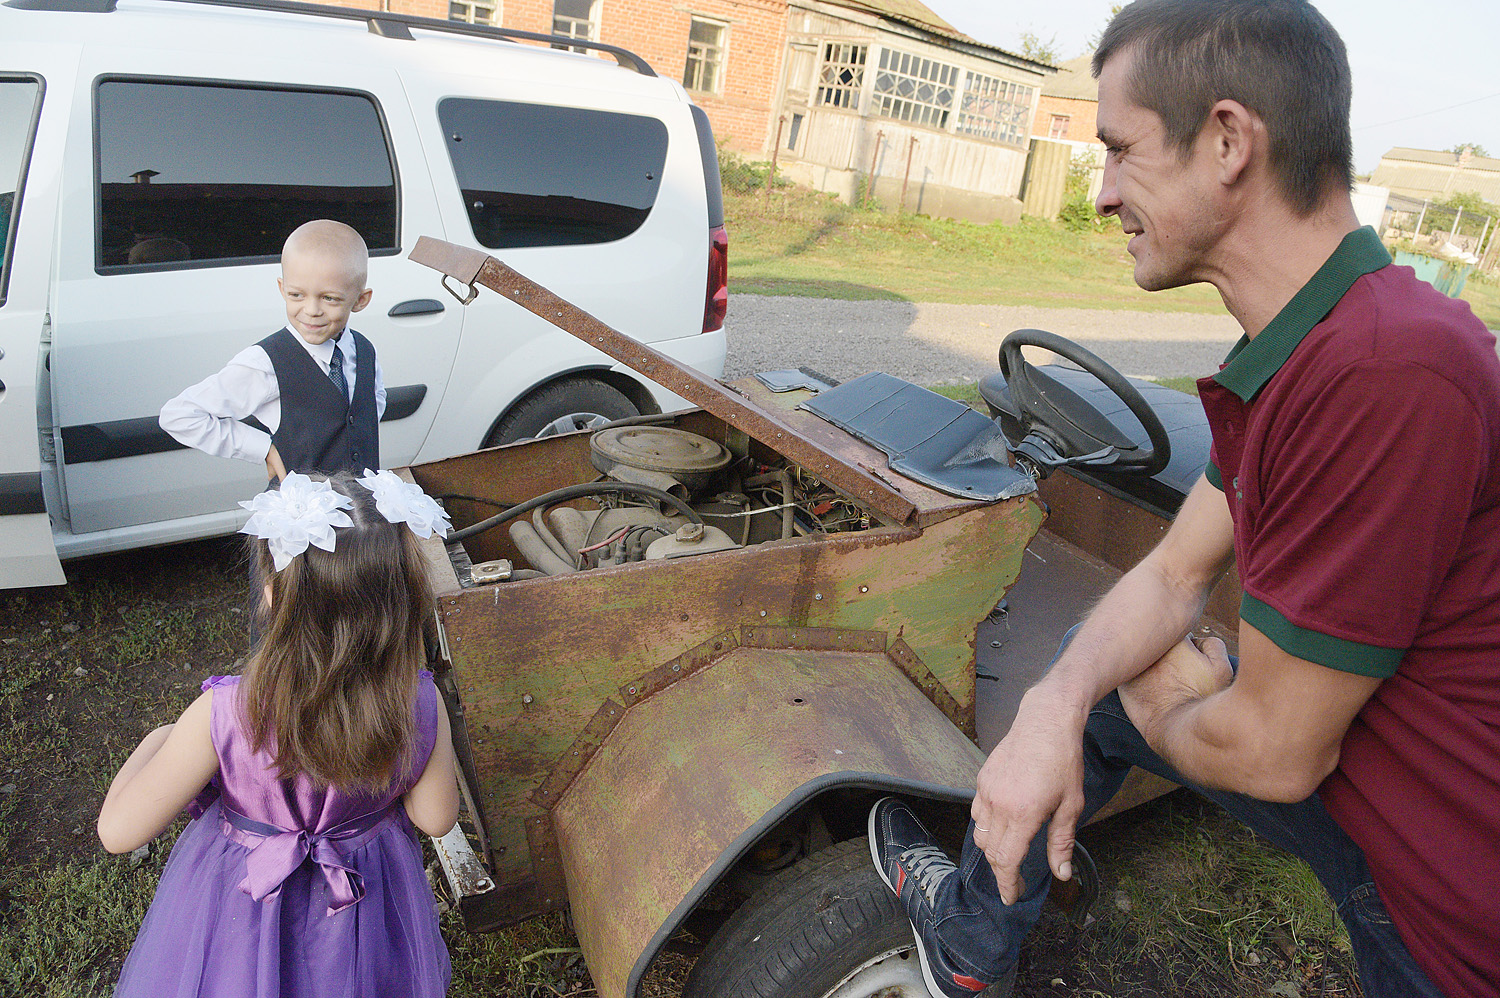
<point x="693" y="769"/>
<point x="1120" y="534"/>
<point x="907" y="660"/>
<point x="599" y="631"/>
<point x="813" y="638"/>
<point x="572" y="761"/>
<point x="474" y="267"/>
<point x="679" y="668"/>
<point x="551" y="882"/>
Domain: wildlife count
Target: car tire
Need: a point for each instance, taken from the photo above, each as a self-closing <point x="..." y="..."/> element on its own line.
<point x="825" y="927"/>
<point x="561" y="407"/>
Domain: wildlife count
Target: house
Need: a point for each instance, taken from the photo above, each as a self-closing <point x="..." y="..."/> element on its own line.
<point x="832" y="89"/>
<point x="884" y="98"/>
<point x="1429" y="175"/>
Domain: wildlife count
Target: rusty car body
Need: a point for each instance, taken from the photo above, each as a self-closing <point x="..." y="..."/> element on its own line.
<point x="652" y="743"/>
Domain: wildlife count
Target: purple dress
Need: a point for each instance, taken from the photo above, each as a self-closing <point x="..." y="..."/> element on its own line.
<point x="280" y="889"/>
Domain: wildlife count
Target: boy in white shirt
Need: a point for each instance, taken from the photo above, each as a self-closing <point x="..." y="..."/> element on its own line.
<point x="314" y="384"/>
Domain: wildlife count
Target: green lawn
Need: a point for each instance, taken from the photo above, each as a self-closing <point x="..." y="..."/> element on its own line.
<point x="808" y="244"/>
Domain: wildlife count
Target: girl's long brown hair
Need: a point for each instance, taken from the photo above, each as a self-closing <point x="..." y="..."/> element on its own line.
<point x="330" y="690"/>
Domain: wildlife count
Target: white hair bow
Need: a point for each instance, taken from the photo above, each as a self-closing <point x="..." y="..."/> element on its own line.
<point x="400" y="501"/>
<point x="300" y="513"/>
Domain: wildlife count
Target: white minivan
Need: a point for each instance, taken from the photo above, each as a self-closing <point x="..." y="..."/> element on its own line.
<point x="154" y="154"/>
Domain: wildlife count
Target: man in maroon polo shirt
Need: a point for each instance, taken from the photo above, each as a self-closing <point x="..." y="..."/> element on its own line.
<point x="1355" y="476"/>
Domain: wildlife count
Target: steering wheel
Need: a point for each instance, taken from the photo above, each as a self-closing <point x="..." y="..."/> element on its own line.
<point x="1061" y="427"/>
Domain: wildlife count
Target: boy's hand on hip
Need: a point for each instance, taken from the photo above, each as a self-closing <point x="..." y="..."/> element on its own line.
<point x="275" y="470"/>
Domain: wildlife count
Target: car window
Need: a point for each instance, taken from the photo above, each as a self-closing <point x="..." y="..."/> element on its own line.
<point x="196" y="173"/>
<point x="534" y="175"/>
<point x="18" y="107"/>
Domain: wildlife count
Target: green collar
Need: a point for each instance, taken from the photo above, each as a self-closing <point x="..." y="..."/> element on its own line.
<point x="1252" y="361"/>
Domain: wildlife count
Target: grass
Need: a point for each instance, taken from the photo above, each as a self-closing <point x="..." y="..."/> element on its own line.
<point x="808" y="244"/>
<point x="1192" y="905"/>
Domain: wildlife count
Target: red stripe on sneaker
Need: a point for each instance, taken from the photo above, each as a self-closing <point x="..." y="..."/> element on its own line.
<point x="969" y="982"/>
<point x="900" y="878"/>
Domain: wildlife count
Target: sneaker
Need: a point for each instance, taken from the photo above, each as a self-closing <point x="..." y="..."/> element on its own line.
<point x="913" y="866"/>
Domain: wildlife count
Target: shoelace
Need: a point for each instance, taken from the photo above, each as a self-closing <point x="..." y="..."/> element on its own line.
<point x="930" y="866"/>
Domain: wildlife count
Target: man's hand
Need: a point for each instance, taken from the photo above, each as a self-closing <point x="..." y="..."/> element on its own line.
<point x="275" y="470"/>
<point x="1187" y="672"/>
<point x="1035" y="775"/>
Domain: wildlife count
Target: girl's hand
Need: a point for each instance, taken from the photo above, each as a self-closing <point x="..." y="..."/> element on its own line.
<point x="166" y="771"/>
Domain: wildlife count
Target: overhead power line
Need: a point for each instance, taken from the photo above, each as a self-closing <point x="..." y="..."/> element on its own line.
<point x="1423" y="114"/>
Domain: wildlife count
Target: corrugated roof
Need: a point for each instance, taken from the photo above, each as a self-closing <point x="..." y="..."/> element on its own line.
<point x="1074" y="80"/>
<point x="1438" y="157"/>
<point x="919" y="15"/>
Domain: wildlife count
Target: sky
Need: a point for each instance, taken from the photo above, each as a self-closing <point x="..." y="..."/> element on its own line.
<point x="1412" y="61"/>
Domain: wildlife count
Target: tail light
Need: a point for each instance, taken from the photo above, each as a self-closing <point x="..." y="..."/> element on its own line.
<point x="717" y="302"/>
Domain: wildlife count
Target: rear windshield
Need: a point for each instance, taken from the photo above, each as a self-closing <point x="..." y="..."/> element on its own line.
<point x="192" y="173"/>
<point x="534" y="175"/>
<point x="18" y="106"/>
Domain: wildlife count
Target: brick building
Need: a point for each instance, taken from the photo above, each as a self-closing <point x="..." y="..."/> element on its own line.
<point x="847" y="86"/>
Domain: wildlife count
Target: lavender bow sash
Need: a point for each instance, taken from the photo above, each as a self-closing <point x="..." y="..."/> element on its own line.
<point x="275" y="853"/>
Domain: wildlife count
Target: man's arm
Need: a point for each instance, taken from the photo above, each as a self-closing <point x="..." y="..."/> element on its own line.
<point x="1035" y="774"/>
<point x="1273" y="733"/>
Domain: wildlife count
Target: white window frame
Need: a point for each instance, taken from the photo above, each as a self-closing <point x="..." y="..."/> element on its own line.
<point x="584" y="29"/>
<point x="471" y="11"/>
<point x="917" y="89"/>
<point x="713" y="68"/>
<point x="995" y="109"/>
<point x="841" y="80"/>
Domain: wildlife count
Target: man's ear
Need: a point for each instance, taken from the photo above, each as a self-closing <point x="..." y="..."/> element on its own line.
<point x="1237" y="135"/>
<point x="362" y="300"/>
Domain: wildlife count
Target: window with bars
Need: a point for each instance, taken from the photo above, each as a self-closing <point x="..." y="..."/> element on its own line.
<point x="575" y="19"/>
<point x="913" y="88"/>
<point x="704" y="70"/>
<point x="995" y="109"/>
<point x="474" y="11"/>
<point x="842" y="75"/>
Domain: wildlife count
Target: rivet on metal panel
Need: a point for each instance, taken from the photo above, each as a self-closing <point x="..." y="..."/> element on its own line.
<point x="817" y="596"/>
<point x="632" y="690"/>
<point x="763" y="613"/>
<point x="678" y="668"/>
<point x="682" y="617"/>
<point x="864" y="589"/>
<point x="527" y="698"/>
<point x="994" y="644"/>
<point x="611" y="712"/>
<point x="739" y="602"/>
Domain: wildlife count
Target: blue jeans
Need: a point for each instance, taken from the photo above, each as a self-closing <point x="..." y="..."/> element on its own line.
<point x="980" y="931"/>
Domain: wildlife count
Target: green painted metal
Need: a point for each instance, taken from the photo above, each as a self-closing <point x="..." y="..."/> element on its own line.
<point x="687" y="776"/>
<point x="535" y="661"/>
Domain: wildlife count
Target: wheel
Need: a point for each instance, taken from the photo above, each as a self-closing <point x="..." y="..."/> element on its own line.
<point x="825" y="927"/>
<point x="1067" y="423"/>
<point x="562" y="407"/>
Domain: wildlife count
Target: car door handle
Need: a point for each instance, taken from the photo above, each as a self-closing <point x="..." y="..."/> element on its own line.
<point x="416" y="306"/>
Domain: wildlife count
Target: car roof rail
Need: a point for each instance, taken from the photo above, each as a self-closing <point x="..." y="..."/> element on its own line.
<point x="383" y="23"/>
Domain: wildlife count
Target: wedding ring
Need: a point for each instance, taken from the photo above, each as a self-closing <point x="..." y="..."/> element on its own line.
<point x="978" y="829"/>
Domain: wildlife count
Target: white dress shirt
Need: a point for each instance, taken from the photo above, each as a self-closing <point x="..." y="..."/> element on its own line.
<point x="207" y="415"/>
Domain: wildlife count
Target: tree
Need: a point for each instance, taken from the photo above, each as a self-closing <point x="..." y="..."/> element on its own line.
<point x="1474" y="149"/>
<point x="1033" y="48"/>
<point x="1114" y="9"/>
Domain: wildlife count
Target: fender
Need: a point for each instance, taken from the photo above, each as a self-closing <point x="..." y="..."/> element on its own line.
<point x="705" y="760"/>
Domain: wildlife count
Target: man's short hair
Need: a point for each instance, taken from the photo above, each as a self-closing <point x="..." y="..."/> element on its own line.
<point x="1279" y="58"/>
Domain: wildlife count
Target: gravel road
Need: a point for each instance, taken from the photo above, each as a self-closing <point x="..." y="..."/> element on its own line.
<point x="940" y="344"/>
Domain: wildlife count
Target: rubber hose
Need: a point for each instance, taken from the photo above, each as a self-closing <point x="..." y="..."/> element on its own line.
<point x="536" y="551"/>
<point x="570" y="527"/>
<point x="573" y="492"/>
<point x="545" y="533"/>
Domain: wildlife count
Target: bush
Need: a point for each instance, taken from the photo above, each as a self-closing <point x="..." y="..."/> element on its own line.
<point x="740" y="176"/>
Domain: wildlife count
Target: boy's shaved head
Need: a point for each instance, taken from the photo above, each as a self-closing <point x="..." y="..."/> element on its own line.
<point x="330" y="240"/>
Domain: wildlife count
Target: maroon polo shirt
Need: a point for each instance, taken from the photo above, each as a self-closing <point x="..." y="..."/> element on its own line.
<point x="1357" y="442"/>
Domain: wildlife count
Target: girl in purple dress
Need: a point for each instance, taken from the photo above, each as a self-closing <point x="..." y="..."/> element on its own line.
<point x="302" y="876"/>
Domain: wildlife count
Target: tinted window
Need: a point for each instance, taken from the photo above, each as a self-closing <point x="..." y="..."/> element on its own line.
<point x="18" y="104"/>
<point x="543" y="176"/>
<point x="202" y="173"/>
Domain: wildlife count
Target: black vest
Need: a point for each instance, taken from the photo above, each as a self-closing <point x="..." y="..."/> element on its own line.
<point x="320" y="430"/>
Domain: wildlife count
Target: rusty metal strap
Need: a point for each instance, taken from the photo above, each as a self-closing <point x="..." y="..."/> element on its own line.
<point x="474" y="267"/>
<point x="813" y="638"/>
<point x="916" y="670"/>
